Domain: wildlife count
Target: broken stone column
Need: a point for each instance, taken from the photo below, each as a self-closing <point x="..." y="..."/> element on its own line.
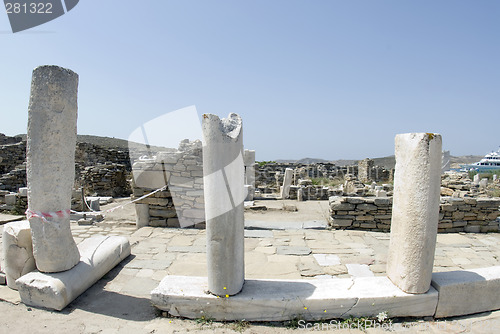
<point x="223" y="171"/>
<point x="17" y="251"/>
<point x="287" y="182"/>
<point x="51" y="144"/>
<point x="415" y="211"/>
<point x="249" y="161"/>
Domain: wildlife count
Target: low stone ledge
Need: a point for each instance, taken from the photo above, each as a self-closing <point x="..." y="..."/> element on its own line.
<point x="480" y="215"/>
<point x="278" y="300"/>
<point x="465" y="292"/>
<point x="98" y="255"/>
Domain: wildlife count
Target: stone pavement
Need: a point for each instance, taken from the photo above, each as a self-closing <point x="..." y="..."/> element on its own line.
<point x="280" y="254"/>
<point x="288" y="254"/>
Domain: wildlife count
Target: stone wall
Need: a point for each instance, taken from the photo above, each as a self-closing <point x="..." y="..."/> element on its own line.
<point x="17" y="202"/>
<point x="108" y="179"/>
<point x="14" y="179"/>
<point x="182" y="204"/>
<point x="103" y="181"/>
<point x="87" y="154"/>
<point x="5" y="140"/>
<point x="456" y="214"/>
<point x="12" y="155"/>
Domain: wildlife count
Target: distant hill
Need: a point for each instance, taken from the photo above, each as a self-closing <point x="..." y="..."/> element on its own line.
<point x="342" y="162"/>
<point x="387" y="162"/>
<point x="306" y="161"/>
<point x="97" y="140"/>
<point x="106" y="142"/>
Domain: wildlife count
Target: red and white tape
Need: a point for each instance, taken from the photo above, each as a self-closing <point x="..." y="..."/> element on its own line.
<point x="45" y="215"/>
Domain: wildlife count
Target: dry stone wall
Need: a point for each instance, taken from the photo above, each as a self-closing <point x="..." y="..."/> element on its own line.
<point x="375" y="213"/>
<point x="12" y="155"/>
<point x="101" y="171"/>
<point x="108" y="179"/>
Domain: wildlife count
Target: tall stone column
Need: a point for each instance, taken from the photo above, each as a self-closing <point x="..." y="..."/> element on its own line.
<point x="415" y="211"/>
<point x="249" y="161"/>
<point x="52" y="118"/>
<point x="287" y="182"/>
<point x="223" y="180"/>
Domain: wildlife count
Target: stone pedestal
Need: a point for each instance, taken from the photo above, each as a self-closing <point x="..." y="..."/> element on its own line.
<point x="51" y="144"/>
<point x="280" y="300"/>
<point x="223" y="170"/>
<point x="17" y="251"/>
<point x="142" y="215"/>
<point x="287" y="182"/>
<point x="415" y="212"/>
<point x="54" y="291"/>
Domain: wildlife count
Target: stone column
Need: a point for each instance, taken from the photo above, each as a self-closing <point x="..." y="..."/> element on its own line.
<point x="415" y="211"/>
<point x="142" y="215"/>
<point x="52" y="118"/>
<point x="287" y="182"/>
<point x="17" y="251"/>
<point x="249" y="161"/>
<point x="223" y="171"/>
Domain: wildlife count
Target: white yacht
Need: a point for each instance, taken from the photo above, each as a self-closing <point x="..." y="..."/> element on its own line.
<point x="490" y="163"/>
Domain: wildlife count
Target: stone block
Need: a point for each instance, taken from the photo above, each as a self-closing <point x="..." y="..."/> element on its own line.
<point x="279" y="300"/>
<point x="355" y="200"/>
<point x="341" y="222"/>
<point x="173" y="222"/>
<point x="150" y="179"/>
<point x="488" y="202"/>
<point x="158" y="223"/>
<point x="166" y="213"/>
<point x="23" y="192"/>
<point x="470" y="200"/>
<point x="342" y="206"/>
<point x="17" y="251"/>
<point x="465" y="292"/>
<point x="366" y="207"/>
<point x="10" y="199"/>
<point x="142" y="215"/>
<point x="99" y="254"/>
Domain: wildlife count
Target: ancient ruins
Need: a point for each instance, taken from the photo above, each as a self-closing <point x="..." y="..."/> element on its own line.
<point x="209" y="184"/>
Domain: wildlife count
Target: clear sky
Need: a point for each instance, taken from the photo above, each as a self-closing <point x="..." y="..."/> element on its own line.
<point x="318" y="78"/>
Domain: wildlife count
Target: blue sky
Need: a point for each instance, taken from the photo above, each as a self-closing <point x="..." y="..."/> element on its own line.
<point x="318" y="78"/>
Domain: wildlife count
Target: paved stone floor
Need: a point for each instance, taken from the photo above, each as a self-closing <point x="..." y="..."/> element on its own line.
<point x="280" y="254"/>
<point x="294" y="254"/>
